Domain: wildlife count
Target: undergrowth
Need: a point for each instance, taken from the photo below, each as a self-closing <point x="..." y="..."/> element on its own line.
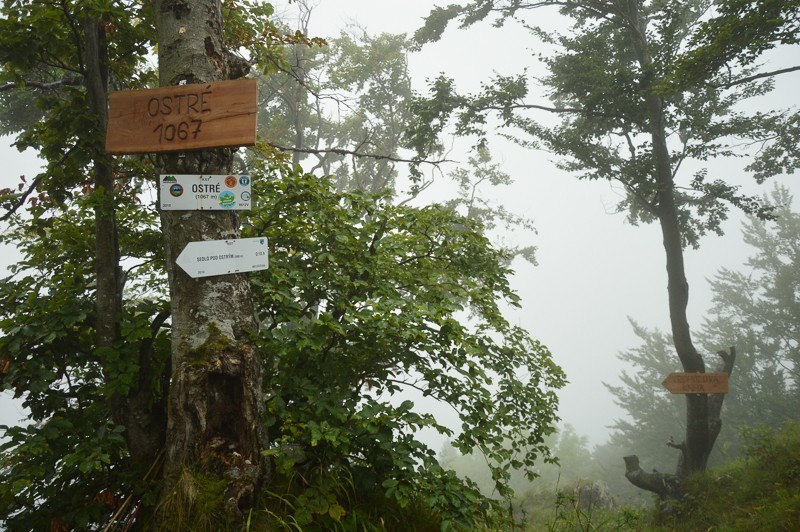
<point x="758" y="492"/>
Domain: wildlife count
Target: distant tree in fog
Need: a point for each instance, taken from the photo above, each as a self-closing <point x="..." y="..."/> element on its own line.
<point x="757" y="308"/>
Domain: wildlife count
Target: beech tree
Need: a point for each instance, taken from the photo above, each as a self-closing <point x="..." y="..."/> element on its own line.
<point x="755" y="306"/>
<point x="609" y="81"/>
<point x="341" y="109"/>
<point x="215" y="405"/>
<point x="73" y="46"/>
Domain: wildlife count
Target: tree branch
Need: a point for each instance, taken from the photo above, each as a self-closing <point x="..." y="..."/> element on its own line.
<point x="715" y="400"/>
<point x="755" y="77"/>
<point x="665" y="485"/>
<point x="355" y="153"/>
<point x="74" y="26"/>
<point x="555" y="110"/>
<point x="21" y="199"/>
<point x="66" y="82"/>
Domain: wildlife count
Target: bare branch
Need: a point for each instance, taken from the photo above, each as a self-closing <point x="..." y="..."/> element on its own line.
<point x="664" y="485"/>
<point x="21" y="199"/>
<point x="556" y="110"/>
<point x="762" y="75"/>
<point x="35" y="183"/>
<point x="66" y="82"/>
<point x="356" y="153"/>
<point x="529" y="106"/>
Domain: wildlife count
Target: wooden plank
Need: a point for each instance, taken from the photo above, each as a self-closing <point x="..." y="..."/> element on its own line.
<point x="682" y="383"/>
<point x="183" y="117"/>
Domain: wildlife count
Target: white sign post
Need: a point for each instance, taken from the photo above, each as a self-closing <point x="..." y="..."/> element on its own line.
<point x="189" y="192"/>
<point x="221" y="257"/>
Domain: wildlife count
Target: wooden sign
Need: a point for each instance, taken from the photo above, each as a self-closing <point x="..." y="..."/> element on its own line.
<point x="696" y="383"/>
<point x="183" y="117"/>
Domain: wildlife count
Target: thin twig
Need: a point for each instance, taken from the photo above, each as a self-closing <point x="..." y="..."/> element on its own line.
<point x="66" y="82"/>
<point x="21" y="200"/>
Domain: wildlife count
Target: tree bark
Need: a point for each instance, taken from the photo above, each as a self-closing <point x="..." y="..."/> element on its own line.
<point x="698" y="443"/>
<point x="143" y="416"/>
<point x="108" y="291"/>
<point x="214" y="430"/>
<point x="664" y="485"/>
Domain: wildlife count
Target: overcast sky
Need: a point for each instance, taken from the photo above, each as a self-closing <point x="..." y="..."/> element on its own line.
<point x="594" y="270"/>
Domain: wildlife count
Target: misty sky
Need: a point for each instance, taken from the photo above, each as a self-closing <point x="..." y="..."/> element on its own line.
<point x="594" y="270"/>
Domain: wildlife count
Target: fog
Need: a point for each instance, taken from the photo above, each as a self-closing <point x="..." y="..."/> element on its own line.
<point x="595" y="271"/>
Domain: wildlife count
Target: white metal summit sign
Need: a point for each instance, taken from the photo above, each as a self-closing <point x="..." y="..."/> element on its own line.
<point x="221" y="257"/>
<point x="204" y="192"/>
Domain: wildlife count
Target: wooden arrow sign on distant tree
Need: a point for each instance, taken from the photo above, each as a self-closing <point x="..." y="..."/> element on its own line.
<point x="696" y="383"/>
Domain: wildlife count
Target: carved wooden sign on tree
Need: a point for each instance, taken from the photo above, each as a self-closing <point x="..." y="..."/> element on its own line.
<point x="183" y="117"/>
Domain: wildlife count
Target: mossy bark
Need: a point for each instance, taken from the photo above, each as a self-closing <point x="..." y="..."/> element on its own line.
<point x="214" y="427"/>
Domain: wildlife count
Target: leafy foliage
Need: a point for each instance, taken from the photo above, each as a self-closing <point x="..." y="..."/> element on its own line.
<point x="599" y="91"/>
<point x="471" y="203"/>
<point x="372" y="304"/>
<point x="71" y="458"/>
<point x="363" y="301"/>
<point x="42" y="53"/>
<point x="740" y="32"/>
<point x="758" y="491"/>
<point x="618" y="121"/>
<point x="335" y="104"/>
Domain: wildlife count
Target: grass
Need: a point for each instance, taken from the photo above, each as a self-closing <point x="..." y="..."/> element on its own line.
<point x="758" y="492"/>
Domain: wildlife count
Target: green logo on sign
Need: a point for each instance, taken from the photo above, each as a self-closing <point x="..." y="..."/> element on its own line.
<point x="226" y="199"/>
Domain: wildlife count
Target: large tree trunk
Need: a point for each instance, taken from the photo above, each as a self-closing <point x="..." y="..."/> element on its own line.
<point x="214" y="431"/>
<point x="702" y="423"/>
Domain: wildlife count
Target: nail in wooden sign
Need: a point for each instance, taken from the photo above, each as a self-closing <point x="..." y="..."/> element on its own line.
<point x="183" y="117"/>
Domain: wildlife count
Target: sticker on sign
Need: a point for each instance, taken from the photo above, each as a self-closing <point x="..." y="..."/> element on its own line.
<point x="221" y="257"/>
<point x="188" y="192"/>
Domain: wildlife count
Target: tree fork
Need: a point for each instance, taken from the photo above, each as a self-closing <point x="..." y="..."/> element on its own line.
<point x="669" y="486"/>
<point x="214" y="429"/>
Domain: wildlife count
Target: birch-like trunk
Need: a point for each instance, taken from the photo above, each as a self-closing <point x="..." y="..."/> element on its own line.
<point x="214" y="430"/>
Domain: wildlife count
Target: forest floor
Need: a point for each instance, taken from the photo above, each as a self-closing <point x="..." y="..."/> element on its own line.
<point x="760" y="491"/>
